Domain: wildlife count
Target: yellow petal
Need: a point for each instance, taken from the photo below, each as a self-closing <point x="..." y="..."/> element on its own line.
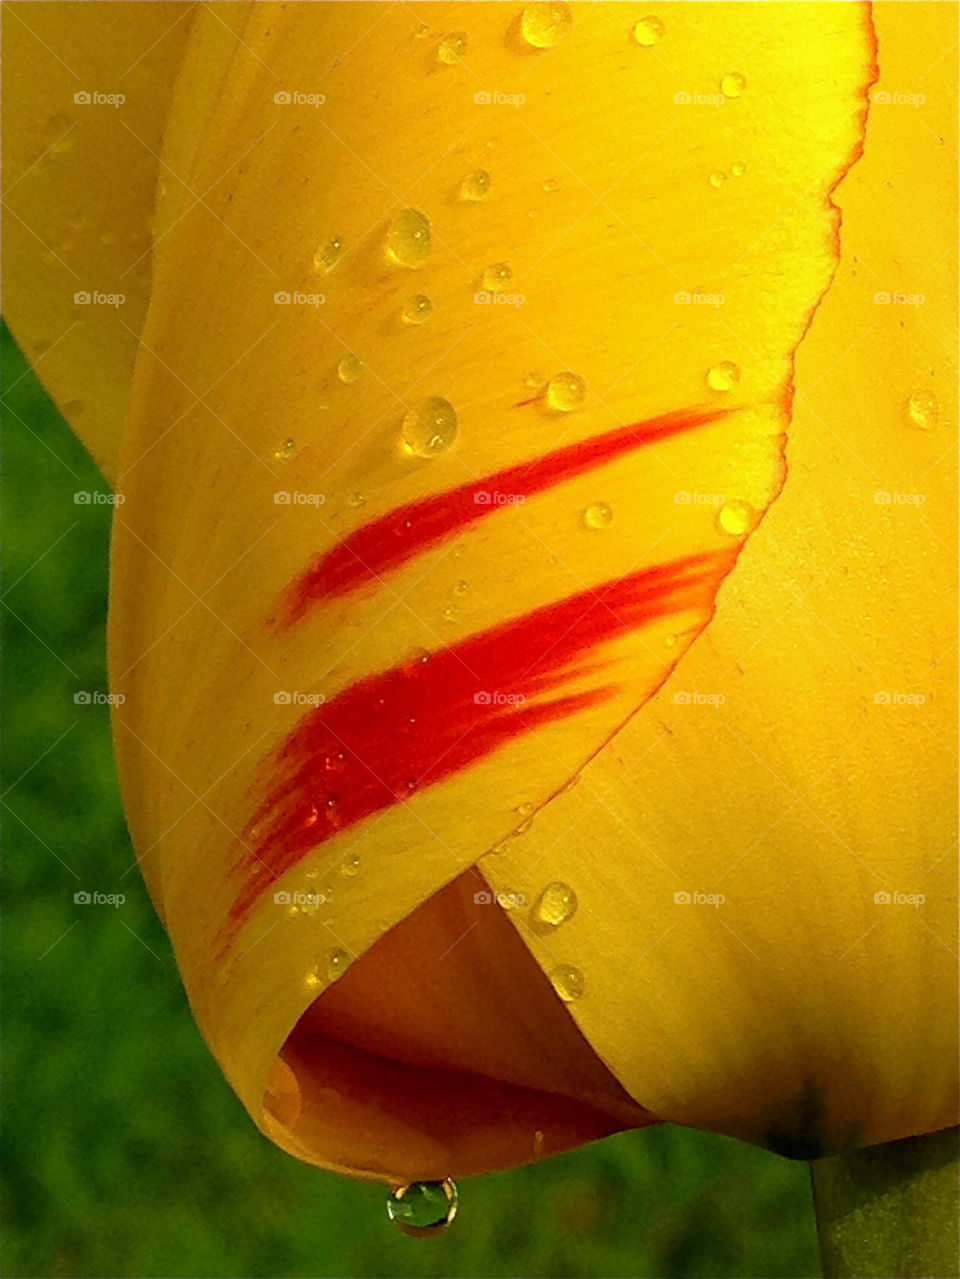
<point x="679" y="298"/>
<point x="816" y="1003"/>
<point x="85" y="95"/>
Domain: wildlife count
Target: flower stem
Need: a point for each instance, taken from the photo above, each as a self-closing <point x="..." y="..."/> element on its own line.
<point x="890" y="1210"/>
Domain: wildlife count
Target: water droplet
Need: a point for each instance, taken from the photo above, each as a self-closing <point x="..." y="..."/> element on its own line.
<point x="355" y="500"/>
<point x="550" y="184"/>
<point x="451" y="612"/>
<point x="424" y="1207"/>
<point x="286" y="449"/>
<point x="416" y="309"/>
<point x="737" y="518"/>
<point x="567" y="982"/>
<point x="672" y="641"/>
<point x="717" y="178"/>
<point x="312" y="816"/>
<point x="600" y="515"/>
<point x="334" y="761"/>
<point x="533" y="380"/>
<point x="724" y="376"/>
<point x="408" y="239"/>
<point x="543" y="25"/>
<point x="476" y="185"/>
<point x="336" y="962"/>
<point x="524" y="809"/>
<point x="461" y="588"/>
<point x="309" y="904"/>
<point x="348" y="370"/>
<point x="648" y="31"/>
<point x="733" y="84"/>
<point x="350" y="867"/>
<point x="452" y="48"/>
<point x="566" y="392"/>
<point x="738" y="169"/>
<point x="538" y="1144"/>
<point x="555" y="905"/>
<point x="497" y="276"/>
<point x="921" y="409"/>
<point x="431" y="428"/>
<point x="328" y="255"/>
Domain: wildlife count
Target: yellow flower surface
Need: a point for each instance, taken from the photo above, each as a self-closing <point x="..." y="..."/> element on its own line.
<point x="533" y="591"/>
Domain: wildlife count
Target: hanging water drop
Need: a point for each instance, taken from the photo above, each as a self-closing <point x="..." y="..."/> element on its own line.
<point x="285" y="450"/>
<point x="423" y="1207"/>
<point x="717" y="179"/>
<point x="733" y="84"/>
<point x="348" y="370"/>
<point x="738" y="169"/>
<point x="408" y="239"/>
<point x="430" y="428"/>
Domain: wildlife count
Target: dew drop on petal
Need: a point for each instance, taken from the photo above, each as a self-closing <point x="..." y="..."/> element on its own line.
<point x="921" y="410"/>
<point x="566" y="392"/>
<point x="567" y="981"/>
<point x="723" y="376"/>
<point x="555" y="905"/>
<point x="285" y="450"/>
<point x="497" y="276"/>
<point x="733" y="84"/>
<point x="648" y="31"/>
<point x="348" y="370"/>
<point x="737" y="518"/>
<point x="350" y="866"/>
<point x="417" y="309"/>
<point x="430" y="428"/>
<point x="738" y="169"/>
<point x="599" y="515"/>
<point x="452" y="48"/>
<point x="550" y="184"/>
<point x="328" y="255"/>
<point x="408" y="239"/>
<point x="423" y="1207"/>
<point x="543" y="25"/>
<point x="717" y="179"/>
<point x="476" y="185"/>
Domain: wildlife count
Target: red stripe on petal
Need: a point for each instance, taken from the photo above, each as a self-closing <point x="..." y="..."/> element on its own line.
<point x="387" y="736"/>
<point x="384" y="544"/>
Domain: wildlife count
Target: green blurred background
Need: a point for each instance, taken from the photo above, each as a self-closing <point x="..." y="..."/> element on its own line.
<point x="125" y="1152"/>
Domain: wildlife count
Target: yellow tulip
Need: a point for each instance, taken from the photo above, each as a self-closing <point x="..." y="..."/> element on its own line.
<point x="537" y="722"/>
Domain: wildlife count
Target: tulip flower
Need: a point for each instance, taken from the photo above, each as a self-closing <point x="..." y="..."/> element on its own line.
<point x="531" y="595"/>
